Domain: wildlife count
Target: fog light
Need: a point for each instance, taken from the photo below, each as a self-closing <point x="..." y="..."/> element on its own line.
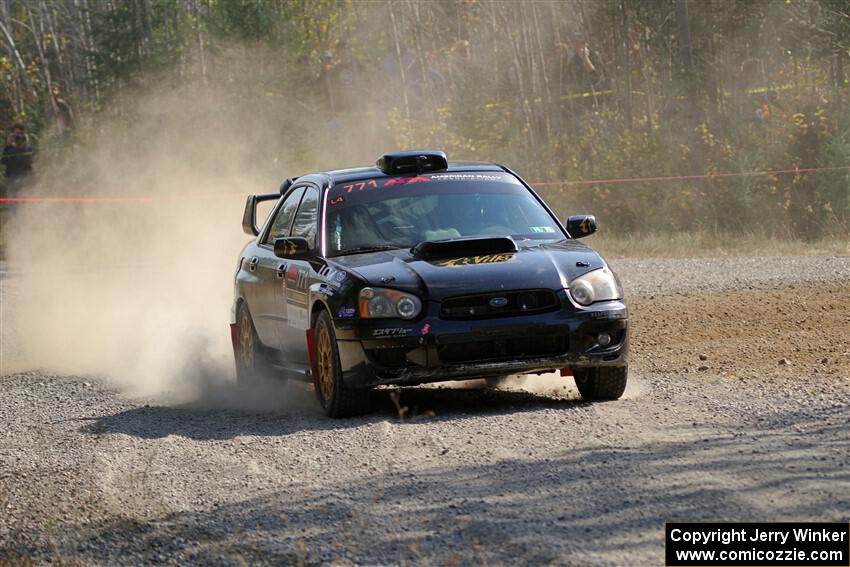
<point x="406" y="307"/>
<point x="604" y="339"/>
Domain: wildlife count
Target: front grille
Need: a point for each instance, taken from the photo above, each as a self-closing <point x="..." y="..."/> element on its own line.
<point x="501" y="304"/>
<point x="513" y="348"/>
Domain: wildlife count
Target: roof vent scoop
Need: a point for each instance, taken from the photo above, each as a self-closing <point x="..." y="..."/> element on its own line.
<point x="286" y="184"/>
<point x="412" y="161"/>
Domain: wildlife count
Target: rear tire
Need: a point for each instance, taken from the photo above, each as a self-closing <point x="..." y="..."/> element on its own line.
<point x="602" y="383"/>
<point x="337" y="399"/>
<point x="252" y="359"/>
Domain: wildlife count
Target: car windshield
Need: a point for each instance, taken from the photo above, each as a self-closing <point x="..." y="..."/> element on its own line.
<point x="399" y="212"/>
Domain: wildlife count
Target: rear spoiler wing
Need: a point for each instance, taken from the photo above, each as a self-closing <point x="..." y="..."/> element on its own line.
<point x="249" y="218"/>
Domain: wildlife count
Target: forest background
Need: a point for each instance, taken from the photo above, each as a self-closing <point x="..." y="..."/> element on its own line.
<point x="584" y="97"/>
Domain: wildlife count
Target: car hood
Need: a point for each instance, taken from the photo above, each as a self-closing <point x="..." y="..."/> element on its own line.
<point x="547" y="266"/>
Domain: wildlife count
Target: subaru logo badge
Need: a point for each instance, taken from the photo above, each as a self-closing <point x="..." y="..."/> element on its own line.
<point x="498" y="302"/>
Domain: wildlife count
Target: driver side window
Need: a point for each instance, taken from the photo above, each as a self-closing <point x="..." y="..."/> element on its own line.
<point x="306" y="221"/>
<point x="283" y="220"/>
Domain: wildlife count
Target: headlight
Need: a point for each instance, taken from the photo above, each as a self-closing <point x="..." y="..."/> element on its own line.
<point x="378" y="303"/>
<point x="598" y="285"/>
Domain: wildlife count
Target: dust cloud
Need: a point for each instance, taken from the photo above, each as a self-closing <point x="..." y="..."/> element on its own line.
<point x="138" y="289"/>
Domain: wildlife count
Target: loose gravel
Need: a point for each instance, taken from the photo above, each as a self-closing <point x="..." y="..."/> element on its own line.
<point x="665" y="276"/>
<point x="713" y="427"/>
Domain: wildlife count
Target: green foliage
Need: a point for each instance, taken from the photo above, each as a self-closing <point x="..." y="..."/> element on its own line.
<point x="615" y="89"/>
<point x="246" y="19"/>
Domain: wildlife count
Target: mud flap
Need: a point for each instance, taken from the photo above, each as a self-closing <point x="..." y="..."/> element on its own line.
<point x="234" y="333"/>
<point x="311" y="354"/>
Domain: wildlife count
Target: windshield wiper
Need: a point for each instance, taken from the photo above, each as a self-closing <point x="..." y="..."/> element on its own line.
<point x="365" y="249"/>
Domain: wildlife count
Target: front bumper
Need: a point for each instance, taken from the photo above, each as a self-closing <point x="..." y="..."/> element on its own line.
<point x="432" y="349"/>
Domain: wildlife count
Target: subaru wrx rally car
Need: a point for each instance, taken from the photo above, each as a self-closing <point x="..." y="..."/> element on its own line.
<point x="420" y="270"/>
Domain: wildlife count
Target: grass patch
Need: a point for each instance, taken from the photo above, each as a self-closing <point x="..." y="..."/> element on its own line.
<point x="705" y="244"/>
<point x="675" y="245"/>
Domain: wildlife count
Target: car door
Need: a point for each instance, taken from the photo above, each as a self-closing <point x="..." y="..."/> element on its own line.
<point x="299" y="276"/>
<point x="267" y="309"/>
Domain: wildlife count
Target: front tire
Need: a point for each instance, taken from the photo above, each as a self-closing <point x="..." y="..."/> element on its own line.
<point x="337" y="399"/>
<point x="602" y="383"/>
<point x="252" y="360"/>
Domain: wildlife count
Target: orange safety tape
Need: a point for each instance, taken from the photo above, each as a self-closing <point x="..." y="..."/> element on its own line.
<point x="116" y="199"/>
<point x="534" y="184"/>
<point x="688" y="177"/>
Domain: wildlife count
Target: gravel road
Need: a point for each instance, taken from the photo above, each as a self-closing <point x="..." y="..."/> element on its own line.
<point x="645" y="277"/>
<point x="736" y="410"/>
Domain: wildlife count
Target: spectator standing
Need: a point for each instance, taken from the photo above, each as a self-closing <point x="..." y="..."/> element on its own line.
<point x="17" y="158"/>
<point x="61" y="116"/>
<point x="346" y="79"/>
<point x="583" y="66"/>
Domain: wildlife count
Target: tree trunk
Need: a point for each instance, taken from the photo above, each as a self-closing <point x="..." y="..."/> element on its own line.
<point x="19" y="61"/>
<point x="627" y="63"/>
<point x="547" y="106"/>
<point x="400" y="59"/>
<point x="689" y="78"/>
<point x="521" y="86"/>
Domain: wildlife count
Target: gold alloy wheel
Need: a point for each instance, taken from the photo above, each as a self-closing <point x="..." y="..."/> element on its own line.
<point x="246" y="343"/>
<point x="324" y="362"/>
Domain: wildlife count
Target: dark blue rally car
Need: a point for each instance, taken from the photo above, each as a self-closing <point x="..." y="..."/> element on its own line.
<point x="420" y="270"/>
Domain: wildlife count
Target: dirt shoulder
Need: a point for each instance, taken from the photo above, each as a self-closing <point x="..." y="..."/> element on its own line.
<point x="799" y="331"/>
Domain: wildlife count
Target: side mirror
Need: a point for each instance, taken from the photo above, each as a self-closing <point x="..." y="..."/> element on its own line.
<point x="291" y="247"/>
<point x="580" y="226"/>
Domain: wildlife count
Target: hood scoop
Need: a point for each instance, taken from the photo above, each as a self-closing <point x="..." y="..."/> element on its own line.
<point x="459" y="247"/>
